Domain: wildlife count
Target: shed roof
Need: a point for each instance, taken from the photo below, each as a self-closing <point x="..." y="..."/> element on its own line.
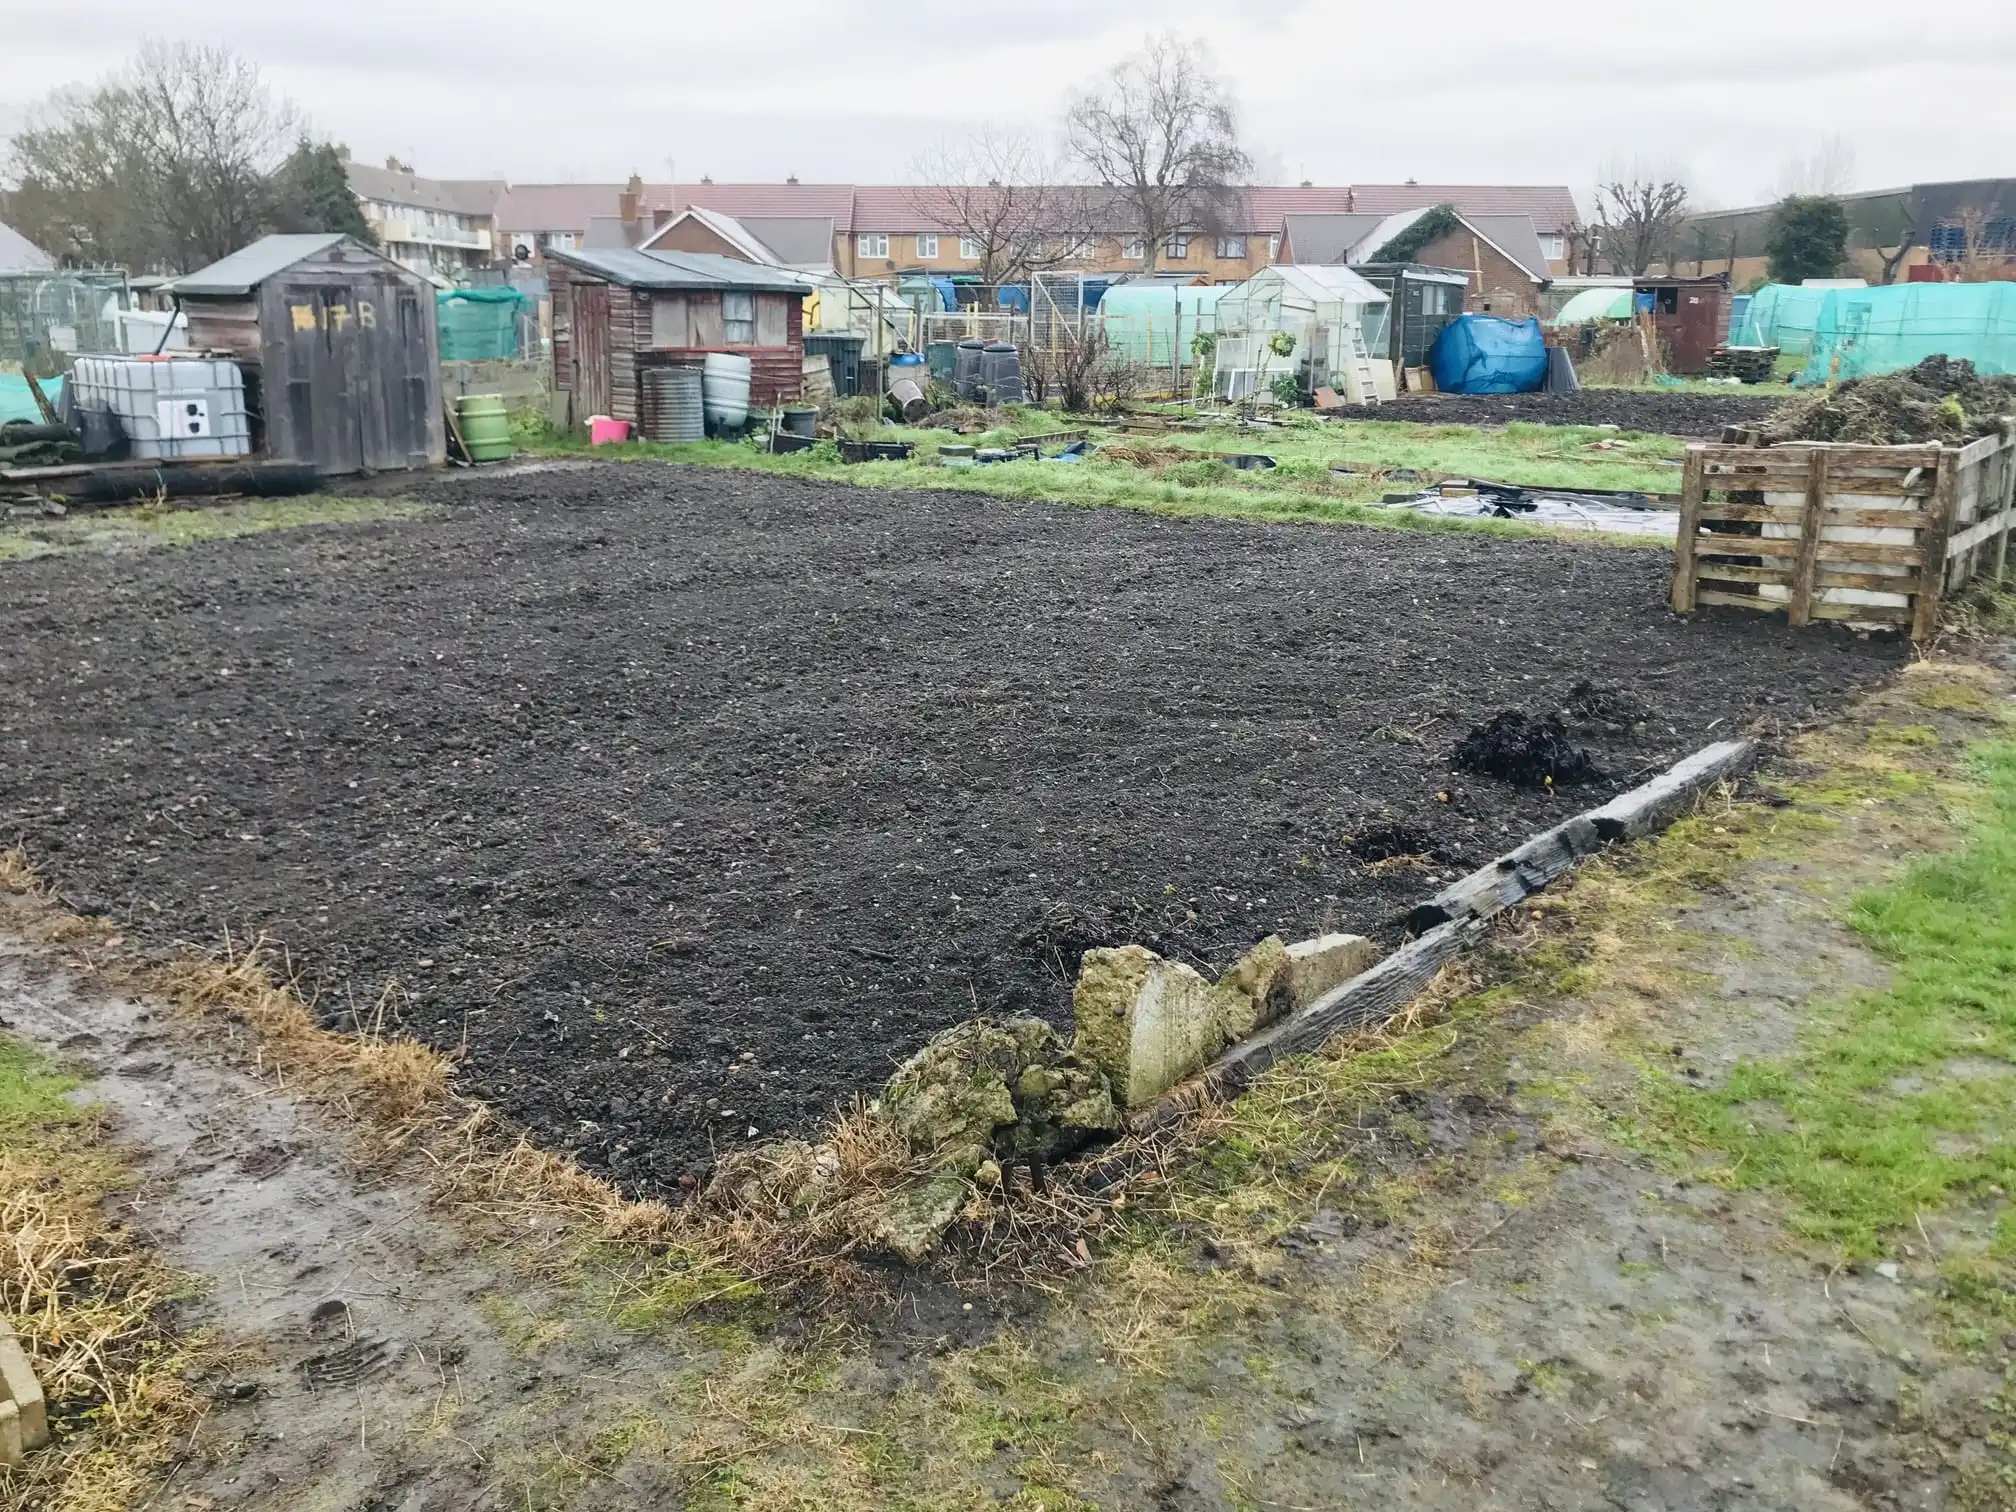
<point x="248" y="267"/>
<point x="20" y="255"/>
<point x="797" y="240"/>
<point x="637" y="269"/>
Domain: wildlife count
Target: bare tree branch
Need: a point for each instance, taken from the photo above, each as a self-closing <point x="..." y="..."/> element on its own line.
<point x="998" y="193"/>
<point x="1640" y="214"/>
<point x="1161" y="133"/>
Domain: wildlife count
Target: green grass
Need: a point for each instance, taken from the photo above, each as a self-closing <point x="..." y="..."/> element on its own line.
<point x="1302" y="487"/>
<point x="1899" y="1101"/>
<point x="33" y="1095"/>
<point x="147" y="527"/>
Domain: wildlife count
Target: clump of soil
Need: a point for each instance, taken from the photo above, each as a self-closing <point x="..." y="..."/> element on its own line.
<point x="1525" y="749"/>
<point x="1940" y="399"/>
<point x="1390" y="839"/>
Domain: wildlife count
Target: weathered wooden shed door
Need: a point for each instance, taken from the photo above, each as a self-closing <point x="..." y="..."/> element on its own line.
<point x="323" y="377"/>
<point x="591" y="351"/>
<point x="391" y="339"/>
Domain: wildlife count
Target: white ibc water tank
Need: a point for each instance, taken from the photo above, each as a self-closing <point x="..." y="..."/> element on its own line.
<point x="725" y="383"/>
<point x="168" y="407"/>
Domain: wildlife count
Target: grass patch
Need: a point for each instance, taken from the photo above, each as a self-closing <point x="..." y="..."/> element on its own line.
<point x="89" y="1307"/>
<point x="152" y="526"/>
<point x="1898" y="1101"/>
<point x="1181" y="479"/>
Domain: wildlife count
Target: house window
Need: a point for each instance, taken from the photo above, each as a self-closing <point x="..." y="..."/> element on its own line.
<point x="738" y="319"/>
<point x="1134" y="249"/>
<point x="871" y="246"/>
<point x="1273" y="249"/>
<point x="1233" y="247"/>
<point x="970" y="248"/>
<point x="1553" y="246"/>
<point x="927" y="247"/>
<point x="1179" y="246"/>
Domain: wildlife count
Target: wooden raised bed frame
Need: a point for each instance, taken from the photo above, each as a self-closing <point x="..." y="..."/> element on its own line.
<point x="1872" y="534"/>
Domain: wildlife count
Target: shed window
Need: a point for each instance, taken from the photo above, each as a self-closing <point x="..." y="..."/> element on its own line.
<point x="738" y="319"/>
<point x="1232" y="246"/>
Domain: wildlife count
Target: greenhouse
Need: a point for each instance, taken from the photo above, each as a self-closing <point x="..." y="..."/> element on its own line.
<point x="1155" y="323"/>
<point x="1782" y="315"/>
<point x="1863" y="333"/>
<point x="1319" y="324"/>
<point x="1594" y="304"/>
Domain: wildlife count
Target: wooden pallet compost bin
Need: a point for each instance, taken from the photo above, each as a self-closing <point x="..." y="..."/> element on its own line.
<point x="1868" y="534"/>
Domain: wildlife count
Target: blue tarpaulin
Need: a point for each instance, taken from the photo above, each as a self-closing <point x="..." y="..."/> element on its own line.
<point x="1482" y="354"/>
<point x="16" y="403"/>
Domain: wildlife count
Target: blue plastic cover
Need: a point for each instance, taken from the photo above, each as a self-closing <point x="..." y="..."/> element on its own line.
<point x="1482" y="354"/>
<point x="16" y="403"/>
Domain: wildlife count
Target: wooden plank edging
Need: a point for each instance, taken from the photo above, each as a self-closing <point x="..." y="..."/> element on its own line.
<point x="1450" y="923"/>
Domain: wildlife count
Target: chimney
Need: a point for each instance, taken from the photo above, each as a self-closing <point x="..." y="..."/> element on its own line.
<point x="630" y="199"/>
<point x="1308" y="183"/>
<point x="792" y="179"/>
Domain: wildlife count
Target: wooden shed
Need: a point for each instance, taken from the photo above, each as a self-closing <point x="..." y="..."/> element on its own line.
<point x="618" y="312"/>
<point x="1690" y="315"/>
<point x="341" y="360"/>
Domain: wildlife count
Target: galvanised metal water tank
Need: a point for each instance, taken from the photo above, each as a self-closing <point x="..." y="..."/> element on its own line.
<point x="674" y="411"/>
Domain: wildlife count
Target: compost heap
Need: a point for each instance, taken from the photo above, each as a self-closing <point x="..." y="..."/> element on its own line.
<point x="1941" y="399"/>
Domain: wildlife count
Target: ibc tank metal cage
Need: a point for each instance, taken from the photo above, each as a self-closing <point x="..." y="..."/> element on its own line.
<point x="48" y="317"/>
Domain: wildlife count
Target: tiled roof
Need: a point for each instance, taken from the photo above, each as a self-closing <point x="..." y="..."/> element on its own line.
<point x="556" y="207"/>
<point x="769" y="200"/>
<point x="1551" y="206"/>
<point x="391" y="186"/>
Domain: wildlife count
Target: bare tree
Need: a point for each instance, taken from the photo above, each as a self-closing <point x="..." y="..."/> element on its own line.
<point x="1830" y="171"/>
<point x="998" y="194"/>
<point x="164" y="164"/>
<point x="1640" y="213"/>
<point x="1163" y="135"/>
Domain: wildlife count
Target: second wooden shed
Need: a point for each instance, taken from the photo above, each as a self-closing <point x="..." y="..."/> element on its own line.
<point x="617" y="312"/>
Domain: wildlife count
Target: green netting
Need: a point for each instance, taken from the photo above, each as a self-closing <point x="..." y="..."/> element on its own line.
<point x="1782" y="315"/>
<point x="1863" y="333"/>
<point x="478" y="325"/>
<point x="1155" y="323"/>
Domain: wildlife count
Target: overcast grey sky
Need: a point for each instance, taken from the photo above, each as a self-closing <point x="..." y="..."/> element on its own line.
<point x="852" y="90"/>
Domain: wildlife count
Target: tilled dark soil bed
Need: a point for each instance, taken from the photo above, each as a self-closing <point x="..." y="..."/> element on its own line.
<point x="1672" y="414"/>
<point x="690" y="801"/>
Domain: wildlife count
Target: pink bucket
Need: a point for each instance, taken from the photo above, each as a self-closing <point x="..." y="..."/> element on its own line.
<point x="602" y="431"/>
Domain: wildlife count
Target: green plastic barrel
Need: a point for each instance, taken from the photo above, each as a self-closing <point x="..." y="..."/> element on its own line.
<point x="486" y="428"/>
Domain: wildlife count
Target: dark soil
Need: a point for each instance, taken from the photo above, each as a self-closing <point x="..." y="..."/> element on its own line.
<point x="690" y="802"/>
<point x="1671" y="414"/>
<point x="1941" y="399"/>
<point x="1530" y="750"/>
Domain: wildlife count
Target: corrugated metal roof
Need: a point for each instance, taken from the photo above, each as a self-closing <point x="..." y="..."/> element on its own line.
<point x="20" y="255"/>
<point x="681" y="270"/>
<point x="248" y="267"/>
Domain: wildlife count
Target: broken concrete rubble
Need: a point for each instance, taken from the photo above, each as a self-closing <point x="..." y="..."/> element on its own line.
<point x="1148" y="1023"/>
<point x="782" y="1177"/>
